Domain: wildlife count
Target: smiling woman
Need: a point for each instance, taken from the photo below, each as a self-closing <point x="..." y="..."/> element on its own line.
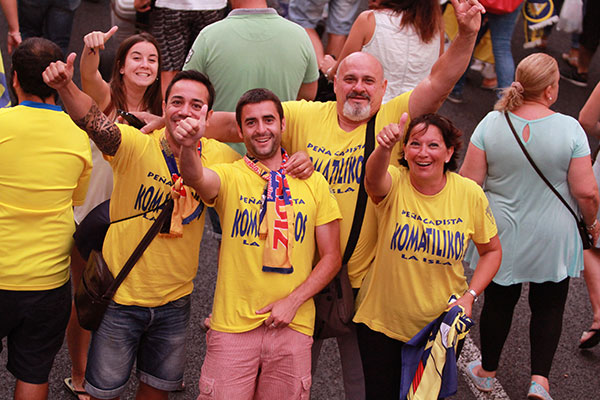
<point x="426" y="215"/>
<point x="135" y="82"/>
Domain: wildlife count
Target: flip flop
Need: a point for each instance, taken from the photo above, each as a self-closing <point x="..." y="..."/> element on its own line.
<point x="571" y="59"/>
<point x="68" y="382"/>
<point x="592" y="340"/>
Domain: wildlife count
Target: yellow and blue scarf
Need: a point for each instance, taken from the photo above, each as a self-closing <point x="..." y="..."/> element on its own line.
<point x="276" y="217"/>
<point x="537" y="15"/>
<point x="187" y="207"/>
<point x="429" y="358"/>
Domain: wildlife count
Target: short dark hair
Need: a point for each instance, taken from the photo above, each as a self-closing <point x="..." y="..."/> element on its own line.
<point x="29" y="60"/>
<point x="192" y="75"/>
<point x="255" y="96"/>
<point x="450" y="133"/>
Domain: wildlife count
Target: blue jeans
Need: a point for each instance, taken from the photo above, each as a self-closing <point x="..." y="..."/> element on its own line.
<point x="154" y="335"/>
<point x="501" y="31"/>
<point x="51" y="19"/>
<point x="342" y="13"/>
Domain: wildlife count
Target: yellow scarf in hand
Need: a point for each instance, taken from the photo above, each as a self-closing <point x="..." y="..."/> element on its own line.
<point x="186" y="207"/>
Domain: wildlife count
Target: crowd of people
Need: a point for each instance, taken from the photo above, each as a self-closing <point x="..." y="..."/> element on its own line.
<point x="292" y="182"/>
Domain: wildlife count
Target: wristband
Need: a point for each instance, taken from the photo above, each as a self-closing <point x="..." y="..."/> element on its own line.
<point x="592" y="226"/>
<point x="472" y="293"/>
<point x="14" y="34"/>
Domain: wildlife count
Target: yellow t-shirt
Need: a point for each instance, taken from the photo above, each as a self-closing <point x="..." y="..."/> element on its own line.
<point x="46" y="164"/>
<point x="242" y="286"/>
<point x="422" y="241"/>
<point x="313" y="127"/>
<point x="142" y="181"/>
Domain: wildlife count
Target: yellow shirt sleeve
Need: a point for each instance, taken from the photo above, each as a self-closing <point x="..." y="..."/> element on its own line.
<point x="84" y="180"/>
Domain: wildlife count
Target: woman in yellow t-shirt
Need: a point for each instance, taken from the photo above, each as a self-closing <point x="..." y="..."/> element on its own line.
<point x="426" y="216"/>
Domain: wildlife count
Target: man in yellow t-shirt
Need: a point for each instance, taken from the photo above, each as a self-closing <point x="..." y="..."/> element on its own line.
<point x="46" y="164"/>
<point x="263" y="313"/>
<point x="149" y="316"/>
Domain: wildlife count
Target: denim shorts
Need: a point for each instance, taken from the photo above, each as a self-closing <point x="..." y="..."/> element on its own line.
<point x="341" y="15"/>
<point x="154" y="336"/>
<point x="34" y="321"/>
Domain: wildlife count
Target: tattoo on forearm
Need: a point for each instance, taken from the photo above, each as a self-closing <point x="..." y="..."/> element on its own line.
<point x="101" y="130"/>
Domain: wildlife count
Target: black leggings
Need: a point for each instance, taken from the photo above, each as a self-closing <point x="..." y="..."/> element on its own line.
<point x="547" y="303"/>
<point x="382" y="363"/>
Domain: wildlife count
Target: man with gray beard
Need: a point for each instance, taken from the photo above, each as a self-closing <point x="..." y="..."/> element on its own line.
<point x="333" y="134"/>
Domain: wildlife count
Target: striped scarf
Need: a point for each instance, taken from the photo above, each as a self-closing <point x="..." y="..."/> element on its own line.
<point x="187" y="206"/>
<point x="276" y="217"/>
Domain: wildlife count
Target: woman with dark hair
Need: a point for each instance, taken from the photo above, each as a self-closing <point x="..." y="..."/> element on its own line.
<point x="539" y="235"/>
<point x="406" y="36"/>
<point x="135" y="80"/>
<point x="134" y="86"/>
<point x="426" y="215"/>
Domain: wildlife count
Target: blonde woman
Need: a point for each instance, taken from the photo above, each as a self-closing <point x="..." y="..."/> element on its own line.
<point x="540" y="241"/>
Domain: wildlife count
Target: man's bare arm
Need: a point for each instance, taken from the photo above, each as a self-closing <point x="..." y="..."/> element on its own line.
<point x="101" y="130"/>
<point x="308" y="91"/>
<point x="222" y="127"/>
<point x="82" y="109"/>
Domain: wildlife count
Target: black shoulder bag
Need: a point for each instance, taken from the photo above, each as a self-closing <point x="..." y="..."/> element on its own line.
<point x="586" y="238"/>
<point x="335" y="303"/>
<point x="97" y="286"/>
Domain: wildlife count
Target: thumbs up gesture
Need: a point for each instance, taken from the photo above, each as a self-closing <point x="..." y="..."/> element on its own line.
<point x="59" y="74"/>
<point x="95" y="40"/>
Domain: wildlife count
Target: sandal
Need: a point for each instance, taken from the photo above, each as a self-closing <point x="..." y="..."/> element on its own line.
<point x="592" y="340"/>
<point x="483" y="384"/>
<point x="571" y="58"/>
<point x="68" y="382"/>
<point x="537" y="391"/>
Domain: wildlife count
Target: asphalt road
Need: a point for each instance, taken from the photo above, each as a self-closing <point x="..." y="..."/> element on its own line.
<point x="575" y="374"/>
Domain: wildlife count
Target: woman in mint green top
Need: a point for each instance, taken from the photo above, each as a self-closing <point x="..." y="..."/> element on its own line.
<point x="540" y="241"/>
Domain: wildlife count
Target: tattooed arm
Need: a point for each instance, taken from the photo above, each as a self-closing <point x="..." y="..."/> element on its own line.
<point x="100" y="129"/>
<point x="82" y="109"/>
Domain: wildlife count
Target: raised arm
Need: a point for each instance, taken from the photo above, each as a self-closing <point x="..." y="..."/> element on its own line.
<point x="82" y="109"/>
<point x="475" y="165"/>
<point x="284" y="310"/>
<point x="187" y="134"/>
<point x="589" y="116"/>
<point x="222" y="126"/>
<point x="429" y="95"/>
<point x="377" y="178"/>
<point x="360" y="33"/>
<point x="91" y="80"/>
<point x="9" y="8"/>
<point x="584" y="189"/>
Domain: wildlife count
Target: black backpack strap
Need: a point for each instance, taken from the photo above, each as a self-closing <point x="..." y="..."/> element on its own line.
<point x="361" y="201"/>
